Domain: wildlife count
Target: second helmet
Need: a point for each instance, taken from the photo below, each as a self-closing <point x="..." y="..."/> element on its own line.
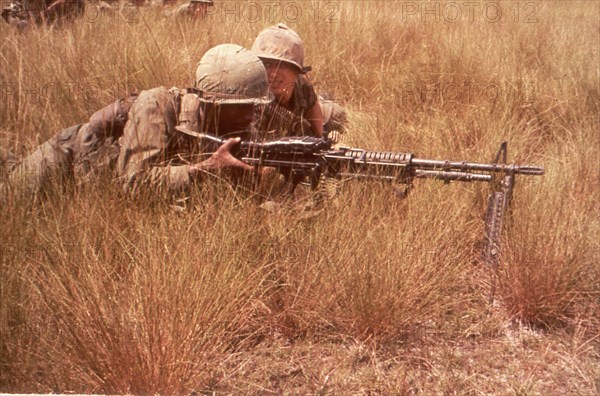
<point x="279" y="42"/>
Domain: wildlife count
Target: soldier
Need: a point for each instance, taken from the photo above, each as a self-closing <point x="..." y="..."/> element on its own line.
<point x="297" y="109"/>
<point x="159" y="149"/>
<point x="193" y="9"/>
<point x="14" y="14"/>
<point x="21" y="13"/>
<point x="78" y="153"/>
<point x="149" y="138"/>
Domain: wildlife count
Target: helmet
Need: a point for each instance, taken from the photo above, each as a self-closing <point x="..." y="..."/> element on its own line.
<point x="13" y="8"/>
<point x="229" y="73"/>
<point x="281" y="43"/>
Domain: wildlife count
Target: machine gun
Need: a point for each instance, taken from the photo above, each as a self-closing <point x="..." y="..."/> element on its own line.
<point x="308" y="159"/>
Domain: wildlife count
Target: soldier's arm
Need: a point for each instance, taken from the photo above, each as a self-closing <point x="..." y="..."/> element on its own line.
<point x="314" y="115"/>
<point x="109" y="122"/>
<point x="144" y="154"/>
<point x="149" y="135"/>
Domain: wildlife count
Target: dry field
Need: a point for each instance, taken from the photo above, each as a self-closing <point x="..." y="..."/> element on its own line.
<point x="376" y="295"/>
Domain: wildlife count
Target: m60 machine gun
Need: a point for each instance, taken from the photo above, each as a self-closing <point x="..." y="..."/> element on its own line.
<point x="309" y="159"/>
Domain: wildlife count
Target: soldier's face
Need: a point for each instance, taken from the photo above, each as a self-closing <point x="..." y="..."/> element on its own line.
<point x="234" y="117"/>
<point x="282" y="78"/>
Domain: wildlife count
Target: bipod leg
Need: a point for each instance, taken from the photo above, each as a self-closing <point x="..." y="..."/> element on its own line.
<point x="493" y="229"/>
<point x="497" y="206"/>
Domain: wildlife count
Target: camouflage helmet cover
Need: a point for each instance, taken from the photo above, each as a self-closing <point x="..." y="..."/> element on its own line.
<point x="279" y="42"/>
<point x="229" y="73"/>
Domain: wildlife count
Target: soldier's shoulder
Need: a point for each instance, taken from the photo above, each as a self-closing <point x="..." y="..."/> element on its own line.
<point x="160" y="98"/>
<point x="156" y="97"/>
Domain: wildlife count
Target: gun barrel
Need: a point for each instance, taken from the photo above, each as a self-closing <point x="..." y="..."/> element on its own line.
<point x="452" y="175"/>
<point x="474" y="166"/>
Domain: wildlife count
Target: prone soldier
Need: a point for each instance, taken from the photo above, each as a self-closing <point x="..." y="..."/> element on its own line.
<point x="148" y="140"/>
<point x="160" y="148"/>
<point x="21" y="13"/>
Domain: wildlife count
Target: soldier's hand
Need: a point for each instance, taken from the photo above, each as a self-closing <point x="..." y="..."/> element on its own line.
<point x="222" y="158"/>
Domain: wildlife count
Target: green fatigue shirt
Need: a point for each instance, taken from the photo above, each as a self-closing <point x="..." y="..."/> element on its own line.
<point x="77" y="153"/>
<point x="135" y="136"/>
<point x="153" y="153"/>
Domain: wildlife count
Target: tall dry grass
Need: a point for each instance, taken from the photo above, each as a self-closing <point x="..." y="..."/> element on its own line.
<point x="104" y="294"/>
